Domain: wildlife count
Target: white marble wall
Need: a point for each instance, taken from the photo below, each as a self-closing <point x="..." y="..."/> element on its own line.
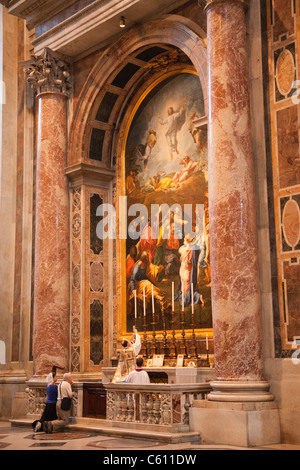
<point x="8" y="174"/>
<point x="14" y="46"/>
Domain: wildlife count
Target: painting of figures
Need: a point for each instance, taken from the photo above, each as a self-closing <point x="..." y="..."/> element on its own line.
<point x="167" y="247"/>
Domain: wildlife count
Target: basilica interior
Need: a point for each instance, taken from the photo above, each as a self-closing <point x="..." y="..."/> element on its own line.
<point x="150" y="188"/>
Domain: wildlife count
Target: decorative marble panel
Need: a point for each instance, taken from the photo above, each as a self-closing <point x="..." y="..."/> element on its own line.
<point x="283" y="15"/>
<point x="76" y="284"/>
<point x="288" y="147"/>
<point x="89" y="281"/>
<point x="96" y="277"/>
<point x="285" y="71"/>
<point x="290" y="223"/>
<point x="96" y="282"/>
<point x="291" y="298"/>
<point x="96" y="244"/>
<point x="96" y="332"/>
<point x="284" y="117"/>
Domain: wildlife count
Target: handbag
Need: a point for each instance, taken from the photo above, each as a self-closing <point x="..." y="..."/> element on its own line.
<point x="65" y="402"/>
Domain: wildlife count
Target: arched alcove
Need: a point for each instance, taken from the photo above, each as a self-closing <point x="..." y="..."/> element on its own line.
<point x="117" y="84"/>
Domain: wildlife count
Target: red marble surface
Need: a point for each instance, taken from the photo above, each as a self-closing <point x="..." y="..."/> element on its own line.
<point x="234" y="252"/>
<point x="51" y="280"/>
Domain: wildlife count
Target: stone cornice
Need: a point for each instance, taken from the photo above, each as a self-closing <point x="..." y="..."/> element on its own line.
<point x="85" y="173"/>
<point x="94" y="15"/>
<point x="23" y="8"/>
<point x="92" y="25"/>
<point x="97" y="23"/>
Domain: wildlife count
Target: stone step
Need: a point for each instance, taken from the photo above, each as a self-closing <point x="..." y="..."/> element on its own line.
<point x="166" y="437"/>
<point x="103" y="427"/>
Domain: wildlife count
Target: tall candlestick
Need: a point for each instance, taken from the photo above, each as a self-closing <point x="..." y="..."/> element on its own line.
<point x="152" y="300"/>
<point x="153" y="343"/>
<point x="173" y="296"/>
<point x="192" y="298"/>
<point x="135" y="305"/>
<point x="144" y="298"/>
<point x="193" y="347"/>
<point x="183" y="345"/>
<point x="207" y="353"/>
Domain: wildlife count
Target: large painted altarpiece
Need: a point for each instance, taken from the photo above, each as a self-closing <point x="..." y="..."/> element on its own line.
<point x="166" y="187"/>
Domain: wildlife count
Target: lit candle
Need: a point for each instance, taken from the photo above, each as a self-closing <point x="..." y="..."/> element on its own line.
<point x="152" y="300"/>
<point x="135" y="306"/>
<point x="206" y="342"/>
<point x="182" y="295"/>
<point x="192" y="298"/>
<point x="144" y="301"/>
<point x="173" y="296"/>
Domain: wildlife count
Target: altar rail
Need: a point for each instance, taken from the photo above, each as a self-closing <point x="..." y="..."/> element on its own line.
<point x="165" y="406"/>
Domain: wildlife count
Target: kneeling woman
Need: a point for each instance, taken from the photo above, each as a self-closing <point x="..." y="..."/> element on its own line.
<point x="49" y="413"/>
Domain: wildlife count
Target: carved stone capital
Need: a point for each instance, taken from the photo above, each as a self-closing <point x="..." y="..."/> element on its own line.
<point x="214" y="3"/>
<point x="48" y="72"/>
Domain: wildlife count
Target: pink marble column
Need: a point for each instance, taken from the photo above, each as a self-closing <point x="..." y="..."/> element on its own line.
<point x="51" y="275"/>
<point x="47" y="75"/>
<point x="233" y="231"/>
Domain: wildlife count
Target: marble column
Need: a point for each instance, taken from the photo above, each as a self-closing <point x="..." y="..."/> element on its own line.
<point x="240" y="410"/>
<point x="48" y="75"/>
<point x="233" y="231"/>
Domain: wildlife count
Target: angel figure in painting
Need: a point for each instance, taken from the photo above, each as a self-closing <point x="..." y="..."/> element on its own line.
<point x="174" y="121"/>
<point x="127" y="359"/>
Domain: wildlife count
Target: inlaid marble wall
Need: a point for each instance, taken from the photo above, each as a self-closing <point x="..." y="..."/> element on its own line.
<point x="76" y="278"/>
<point x="94" y="280"/>
<point x="283" y="51"/>
<point x="89" y="281"/>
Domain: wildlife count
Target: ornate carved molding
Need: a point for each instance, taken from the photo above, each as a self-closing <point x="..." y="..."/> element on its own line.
<point x="48" y="72"/>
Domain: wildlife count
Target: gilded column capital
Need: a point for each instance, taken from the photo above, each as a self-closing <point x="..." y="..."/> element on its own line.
<point x="210" y="4"/>
<point x="49" y="71"/>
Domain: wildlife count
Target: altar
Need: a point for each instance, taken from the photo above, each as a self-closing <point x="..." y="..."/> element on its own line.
<point x="169" y="375"/>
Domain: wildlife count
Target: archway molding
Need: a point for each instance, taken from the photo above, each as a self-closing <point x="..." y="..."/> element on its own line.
<point x="165" y="32"/>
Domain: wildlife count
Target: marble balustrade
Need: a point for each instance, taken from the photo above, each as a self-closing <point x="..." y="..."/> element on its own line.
<point x="36" y="396"/>
<point x="164" y="406"/>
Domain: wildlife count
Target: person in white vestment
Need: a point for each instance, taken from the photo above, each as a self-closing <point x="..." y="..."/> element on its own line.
<point x="127" y="359"/>
<point x="138" y="376"/>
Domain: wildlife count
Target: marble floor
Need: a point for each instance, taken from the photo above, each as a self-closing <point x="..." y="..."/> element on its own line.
<point x="113" y="448"/>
